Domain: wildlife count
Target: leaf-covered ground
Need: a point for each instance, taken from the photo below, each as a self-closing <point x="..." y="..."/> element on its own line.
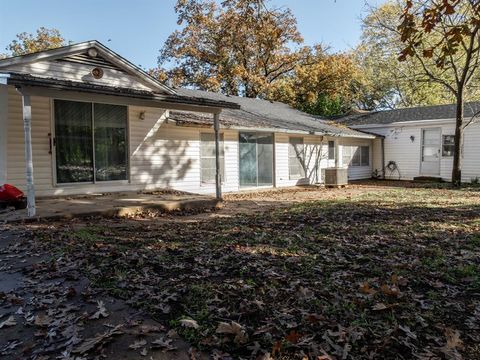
<point x="370" y="272"/>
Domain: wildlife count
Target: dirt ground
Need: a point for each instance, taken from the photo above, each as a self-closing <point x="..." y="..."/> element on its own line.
<point x="280" y="269"/>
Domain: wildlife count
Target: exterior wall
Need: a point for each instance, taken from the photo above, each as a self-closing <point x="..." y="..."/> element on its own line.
<point x="78" y="72"/>
<point x="42" y="161"/>
<point x="407" y="154"/>
<point x="358" y="172"/>
<point x="161" y="154"/>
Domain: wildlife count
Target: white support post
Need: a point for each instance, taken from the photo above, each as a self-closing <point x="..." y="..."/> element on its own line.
<point x="218" y="180"/>
<point x="337" y="154"/>
<point x="27" y="126"/>
<point x="3" y="131"/>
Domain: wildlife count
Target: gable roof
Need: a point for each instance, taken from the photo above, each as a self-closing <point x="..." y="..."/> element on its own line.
<point x="263" y="114"/>
<point x="436" y="112"/>
<point x="72" y="52"/>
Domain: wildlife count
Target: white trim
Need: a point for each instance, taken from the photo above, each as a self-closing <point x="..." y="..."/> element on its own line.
<point x="404" y="123"/>
<point x="4" y="79"/>
<point x="104" y="51"/>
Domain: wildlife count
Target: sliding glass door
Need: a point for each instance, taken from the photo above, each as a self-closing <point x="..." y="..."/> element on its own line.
<point x="256" y="159"/>
<point x="90" y="142"/>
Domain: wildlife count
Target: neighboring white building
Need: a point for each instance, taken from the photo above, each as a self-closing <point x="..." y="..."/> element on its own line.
<point x="418" y="142"/>
<point x="100" y="124"/>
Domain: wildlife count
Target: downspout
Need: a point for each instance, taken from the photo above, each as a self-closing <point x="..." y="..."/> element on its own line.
<point x="218" y="179"/>
<point x="27" y="127"/>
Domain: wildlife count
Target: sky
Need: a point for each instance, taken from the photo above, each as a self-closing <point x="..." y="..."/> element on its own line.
<point x="137" y="29"/>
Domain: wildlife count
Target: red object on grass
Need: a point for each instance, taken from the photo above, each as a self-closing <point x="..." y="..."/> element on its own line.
<point x="10" y="193"/>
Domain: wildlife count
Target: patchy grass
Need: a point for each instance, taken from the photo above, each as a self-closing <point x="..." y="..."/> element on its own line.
<point x="374" y="273"/>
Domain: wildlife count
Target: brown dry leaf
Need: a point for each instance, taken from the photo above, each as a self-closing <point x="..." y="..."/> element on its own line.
<point x="454" y="343"/>
<point x="379" y="307"/>
<point x="390" y="290"/>
<point x="101" y="311"/>
<point x="137" y="344"/>
<point x="189" y="323"/>
<point x="42" y="320"/>
<point x="233" y="328"/>
<point x="293" y="337"/>
<point x="9" y="322"/>
<point x="93" y="342"/>
<point x="164" y="344"/>
<point x="366" y="289"/>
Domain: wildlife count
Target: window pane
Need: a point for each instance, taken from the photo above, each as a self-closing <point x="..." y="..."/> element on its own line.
<point x="356" y="156"/>
<point x="431" y="137"/>
<point x="248" y="162"/>
<point x="207" y="157"/>
<point x="265" y="159"/>
<point x="110" y="142"/>
<point x="448" y="147"/>
<point x="73" y="135"/>
<point x="430" y="153"/>
<point x="296" y="154"/>
<point x="331" y="150"/>
<point x="365" y="155"/>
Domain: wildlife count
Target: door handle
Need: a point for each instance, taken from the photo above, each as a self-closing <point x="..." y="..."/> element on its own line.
<point x="51" y="143"/>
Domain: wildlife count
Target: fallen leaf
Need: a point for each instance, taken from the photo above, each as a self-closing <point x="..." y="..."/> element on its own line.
<point x="293" y="337"/>
<point x="233" y="328"/>
<point x="93" y="342"/>
<point x="379" y="307"/>
<point x="9" y="322"/>
<point x="137" y="344"/>
<point x="189" y="323"/>
<point x="101" y="311"/>
<point x="42" y="320"/>
<point x="366" y="289"/>
<point x="164" y="344"/>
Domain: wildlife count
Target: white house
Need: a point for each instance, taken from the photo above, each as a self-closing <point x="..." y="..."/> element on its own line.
<point x="90" y="121"/>
<point x="419" y="141"/>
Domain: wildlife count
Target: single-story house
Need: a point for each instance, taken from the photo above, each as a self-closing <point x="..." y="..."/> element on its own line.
<point x="81" y="119"/>
<point x="419" y="141"/>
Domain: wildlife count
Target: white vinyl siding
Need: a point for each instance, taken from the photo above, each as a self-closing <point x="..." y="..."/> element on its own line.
<point x="208" y="159"/>
<point x="79" y="72"/>
<point x="402" y="145"/>
<point x="296" y="158"/>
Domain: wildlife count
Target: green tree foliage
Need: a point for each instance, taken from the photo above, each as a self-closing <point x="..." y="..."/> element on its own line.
<point x="44" y="39"/>
<point x="385" y="81"/>
<point x="323" y="85"/>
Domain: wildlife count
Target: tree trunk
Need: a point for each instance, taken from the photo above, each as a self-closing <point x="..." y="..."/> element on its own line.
<point x="457" y="155"/>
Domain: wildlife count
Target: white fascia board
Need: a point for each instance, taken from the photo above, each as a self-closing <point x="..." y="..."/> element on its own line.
<point x="4" y="79"/>
<point x="403" y="123"/>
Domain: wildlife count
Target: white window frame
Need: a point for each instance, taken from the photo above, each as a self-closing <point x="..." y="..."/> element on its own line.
<point x="298" y="161"/>
<point x="222" y="158"/>
<point x="349" y="152"/>
<point x="449" y="145"/>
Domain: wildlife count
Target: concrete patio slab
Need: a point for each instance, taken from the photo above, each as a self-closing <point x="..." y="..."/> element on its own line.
<point x="121" y="204"/>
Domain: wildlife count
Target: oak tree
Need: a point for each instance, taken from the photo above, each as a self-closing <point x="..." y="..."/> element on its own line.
<point x="44" y="39"/>
<point x="238" y="47"/>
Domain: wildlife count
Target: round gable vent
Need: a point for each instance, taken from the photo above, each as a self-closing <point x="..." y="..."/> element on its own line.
<point x="97" y="73"/>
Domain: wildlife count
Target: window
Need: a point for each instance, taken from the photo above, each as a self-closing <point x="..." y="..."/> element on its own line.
<point x="448" y="145"/>
<point x="91" y="142"/>
<point x="356" y="155"/>
<point x="207" y="157"/>
<point x="296" y="158"/>
<point x="331" y="150"/>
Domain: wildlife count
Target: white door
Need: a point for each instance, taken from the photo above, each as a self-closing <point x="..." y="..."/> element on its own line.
<point x="430" y="155"/>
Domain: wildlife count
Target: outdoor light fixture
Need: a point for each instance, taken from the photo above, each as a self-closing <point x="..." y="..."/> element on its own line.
<point x="141" y="116"/>
<point x="412" y="138"/>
